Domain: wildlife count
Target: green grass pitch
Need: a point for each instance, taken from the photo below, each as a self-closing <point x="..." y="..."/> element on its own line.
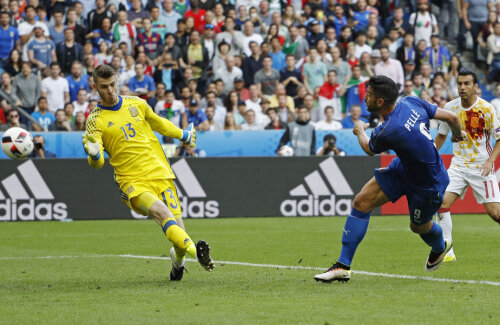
<point x="86" y="280"/>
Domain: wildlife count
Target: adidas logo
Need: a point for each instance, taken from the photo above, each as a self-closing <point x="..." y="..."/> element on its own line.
<point x="320" y="197"/>
<point x="190" y="188"/>
<point x="110" y="124"/>
<point x="18" y="204"/>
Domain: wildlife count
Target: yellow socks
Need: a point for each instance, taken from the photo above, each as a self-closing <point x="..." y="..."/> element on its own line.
<point x="180" y="239"/>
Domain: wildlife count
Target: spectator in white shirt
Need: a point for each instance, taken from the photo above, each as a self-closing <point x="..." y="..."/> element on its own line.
<point x="250" y="122"/>
<point x="390" y="68"/>
<point x="55" y="88"/>
<point x="361" y="46"/>
<point x="212" y="123"/>
<point x="228" y="73"/>
<point x="250" y="36"/>
<point x="81" y="103"/>
<point x="328" y="123"/>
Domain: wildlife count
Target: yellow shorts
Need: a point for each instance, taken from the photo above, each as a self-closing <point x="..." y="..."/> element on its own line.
<point x="164" y="190"/>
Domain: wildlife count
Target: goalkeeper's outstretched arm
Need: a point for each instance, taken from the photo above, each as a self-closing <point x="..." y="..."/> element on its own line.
<point x="93" y="148"/>
<point x="167" y="128"/>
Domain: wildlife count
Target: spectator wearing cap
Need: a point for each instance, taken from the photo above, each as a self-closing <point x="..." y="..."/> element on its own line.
<point x="423" y="22"/>
<point x="228" y="74"/>
<point x="409" y="69"/>
<point x="9" y="36"/>
<point x="437" y="55"/>
<point x="196" y="116"/>
<point x="315" y="34"/>
<point x="390" y="68"/>
<point x="277" y="54"/>
<point x="252" y="64"/>
<point x="231" y="36"/>
<point x="168" y="16"/>
<point x="207" y="40"/>
<point x="375" y="57"/>
<point x="360" y="16"/>
<point x="41" y="51"/>
<point x="250" y="123"/>
<point x="142" y="85"/>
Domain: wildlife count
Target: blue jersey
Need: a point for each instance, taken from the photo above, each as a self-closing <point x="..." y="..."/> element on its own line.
<point x="406" y="131"/>
<point x="75" y="86"/>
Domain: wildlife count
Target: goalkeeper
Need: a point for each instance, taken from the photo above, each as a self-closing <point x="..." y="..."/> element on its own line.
<point x="123" y="126"/>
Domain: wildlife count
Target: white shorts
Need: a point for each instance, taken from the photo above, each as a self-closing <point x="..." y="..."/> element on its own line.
<point x="485" y="188"/>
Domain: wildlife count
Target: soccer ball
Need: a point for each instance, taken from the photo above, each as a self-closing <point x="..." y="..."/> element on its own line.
<point x="17" y="143"/>
<point x="286" y="151"/>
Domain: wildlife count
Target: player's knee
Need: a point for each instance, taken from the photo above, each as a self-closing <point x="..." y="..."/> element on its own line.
<point x="361" y="203"/>
<point x="495" y="215"/>
<point x="420" y="229"/>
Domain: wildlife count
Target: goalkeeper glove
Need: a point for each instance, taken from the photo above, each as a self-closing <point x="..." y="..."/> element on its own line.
<point x="91" y="146"/>
<point x="189" y="135"/>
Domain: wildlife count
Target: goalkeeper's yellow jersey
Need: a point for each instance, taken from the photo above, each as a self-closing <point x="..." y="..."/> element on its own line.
<point x="125" y="132"/>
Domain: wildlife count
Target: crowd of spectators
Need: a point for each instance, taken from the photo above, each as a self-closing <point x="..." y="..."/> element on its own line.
<point x="235" y="64"/>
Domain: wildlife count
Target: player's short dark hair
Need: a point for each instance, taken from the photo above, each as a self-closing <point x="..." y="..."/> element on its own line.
<point x="103" y="71"/>
<point x="468" y="72"/>
<point x="385" y="88"/>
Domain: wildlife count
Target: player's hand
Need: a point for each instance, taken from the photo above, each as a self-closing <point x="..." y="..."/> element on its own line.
<point x="462" y="137"/>
<point x="189" y="135"/>
<point x="360" y="127"/>
<point x="487" y="168"/>
<point x="91" y="146"/>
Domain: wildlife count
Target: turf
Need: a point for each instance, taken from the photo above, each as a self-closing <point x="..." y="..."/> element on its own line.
<point x="86" y="281"/>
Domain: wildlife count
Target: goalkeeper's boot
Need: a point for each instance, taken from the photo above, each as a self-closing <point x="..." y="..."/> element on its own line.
<point x="203" y="255"/>
<point x="177" y="267"/>
<point x="338" y="272"/>
<point x="435" y="259"/>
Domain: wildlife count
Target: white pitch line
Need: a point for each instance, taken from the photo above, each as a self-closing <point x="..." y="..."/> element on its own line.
<point x="291" y="267"/>
<point x="384" y="275"/>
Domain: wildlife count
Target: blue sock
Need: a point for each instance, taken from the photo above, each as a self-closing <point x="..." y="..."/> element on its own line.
<point x="354" y="232"/>
<point x="434" y="238"/>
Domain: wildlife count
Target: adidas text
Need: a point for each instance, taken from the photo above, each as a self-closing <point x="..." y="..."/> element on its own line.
<point x="314" y="206"/>
<point x="11" y="210"/>
<point x="199" y="208"/>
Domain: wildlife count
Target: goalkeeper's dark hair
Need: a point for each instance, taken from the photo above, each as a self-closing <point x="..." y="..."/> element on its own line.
<point x="103" y="71"/>
<point x="385" y="88"/>
<point x="468" y="72"/>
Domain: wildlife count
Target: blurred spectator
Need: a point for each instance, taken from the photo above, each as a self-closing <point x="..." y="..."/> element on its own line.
<point x="315" y="34"/>
<point x="290" y="76"/>
<point x="170" y="108"/>
<point x="39" y="150"/>
<point x="61" y="123"/>
<point x="9" y="36"/>
<point x="252" y="63"/>
<point x="475" y="15"/>
<point x="367" y="69"/>
<point x="124" y="31"/>
<point x="328" y="123"/>
<point x="493" y="58"/>
<point x="437" y="55"/>
<point x="76" y="81"/>
<point x="196" y="116"/>
<point x="281" y="91"/>
<point x="296" y="45"/>
<point x="41" y="51"/>
<point x="26" y="86"/>
<point x="188" y="151"/>
<point x="72" y="23"/>
<point x="300" y="134"/>
<point x="340" y="66"/>
<point x="168" y="18"/>
<point x="426" y="71"/>
<point x="14" y="63"/>
<point x="151" y="41"/>
<point x="103" y="34"/>
<point x="212" y="123"/>
<point x="26" y="28"/>
<point x="361" y="46"/>
<point x="329" y="96"/>
<point x="68" y="51"/>
<point x="55" y="88"/>
<point x="136" y="14"/>
<point x="397" y="21"/>
<point x="267" y="77"/>
<point x="423" y="22"/>
<point x="409" y="89"/>
<point x="276" y="123"/>
<point x="314" y="71"/>
<point x="250" y="122"/>
<point x="407" y="50"/>
<point x="79" y="123"/>
<point x="360" y="16"/>
<point x="228" y="74"/>
<point x="69" y="111"/>
<point x="219" y="110"/>
<point x="8" y="97"/>
<point x="12" y="120"/>
<point x="249" y="36"/>
<point x="42" y="115"/>
<point x="81" y="103"/>
<point x="496" y="101"/>
<point x="390" y="68"/>
<point x="331" y="36"/>
<point x="96" y="16"/>
<point x="409" y="69"/>
<point x="330" y="147"/>
<point x="56" y="31"/>
<point x="141" y="85"/>
<point x="230" y="123"/>
<point x="349" y="121"/>
<point x="239" y="86"/>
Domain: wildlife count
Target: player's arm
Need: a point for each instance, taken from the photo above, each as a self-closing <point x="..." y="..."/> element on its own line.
<point x="92" y="143"/>
<point x="439" y="141"/>
<point x="457" y="134"/>
<point x="167" y="128"/>
<point x="363" y="138"/>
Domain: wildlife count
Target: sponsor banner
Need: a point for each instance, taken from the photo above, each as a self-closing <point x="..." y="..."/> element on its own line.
<point x="467" y="205"/>
<point x="207" y="188"/>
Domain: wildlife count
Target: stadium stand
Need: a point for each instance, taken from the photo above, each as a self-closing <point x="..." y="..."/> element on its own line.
<point x="255" y="56"/>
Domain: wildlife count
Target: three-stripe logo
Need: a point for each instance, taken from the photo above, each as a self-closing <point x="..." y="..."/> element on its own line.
<point x="320" y="197"/>
<point x="17" y="204"/>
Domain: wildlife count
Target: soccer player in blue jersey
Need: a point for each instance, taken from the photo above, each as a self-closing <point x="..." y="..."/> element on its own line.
<point x="417" y="172"/>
